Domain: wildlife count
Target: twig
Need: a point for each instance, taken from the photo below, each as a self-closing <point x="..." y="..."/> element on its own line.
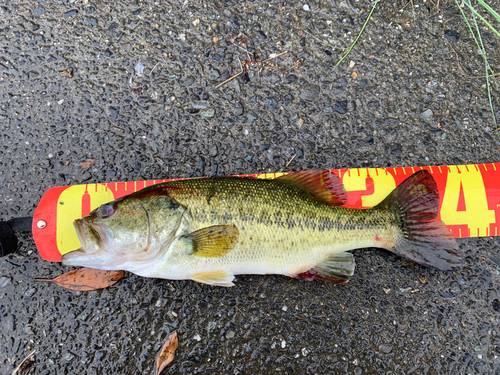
<point x="293" y="157"/>
<point x="279" y="54"/>
<point x="227" y="80"/>
<point x="253" y="61"/>
<point x="153" y="68"/>
<point x="24" y="360"/>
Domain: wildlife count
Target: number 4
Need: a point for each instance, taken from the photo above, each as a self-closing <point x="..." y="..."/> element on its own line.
<point x="466" y="187"/>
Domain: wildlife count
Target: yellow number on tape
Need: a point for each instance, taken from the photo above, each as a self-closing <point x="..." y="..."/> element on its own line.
<point x="476" y="214"/>
<point x="383" y="183"/>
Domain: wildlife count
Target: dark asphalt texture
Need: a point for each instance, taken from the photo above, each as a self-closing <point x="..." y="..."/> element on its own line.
<point x="142" y="102"/>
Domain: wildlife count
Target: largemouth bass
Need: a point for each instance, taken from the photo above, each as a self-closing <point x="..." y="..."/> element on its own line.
<point x="210" y="229"/>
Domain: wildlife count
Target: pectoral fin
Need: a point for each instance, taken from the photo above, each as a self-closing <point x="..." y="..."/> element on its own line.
<point x="217" y="278"/>
<point x="336" y="268"/>
<point x="212" y="242"/>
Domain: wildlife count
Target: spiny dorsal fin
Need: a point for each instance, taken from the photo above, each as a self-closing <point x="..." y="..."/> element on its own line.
<point x="336" y="268"/>
<point x="217" y="278"/>
<point x="323" y="184"/>
<point x="212" y="242"/>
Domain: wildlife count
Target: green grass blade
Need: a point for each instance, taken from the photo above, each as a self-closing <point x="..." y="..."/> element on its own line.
<point x="481" y="18"/>
<point x="486" y="64"/>
<point x="467" y="22"/>
<point x="361" y="32"/>
<point x="489" y="9"/>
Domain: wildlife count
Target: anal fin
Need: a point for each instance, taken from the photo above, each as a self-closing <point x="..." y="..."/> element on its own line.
<point x="336" y="268"/>
<point x="217" y="278"/>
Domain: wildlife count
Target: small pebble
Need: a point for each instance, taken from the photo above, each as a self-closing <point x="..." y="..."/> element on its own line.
<point x="341" y="107"/>
<point x="451" y="35"/>
<point x="139" y="69"/>
<point x="306" y="8"/>
<point x="11" y="323"/>
<point x="209" y="113"/>
<point x="291" y="78"/>
<point x="230" y="335"/>
<point x="213" y="150"/>
<point x="251" y="116"/>
<point x="4" y="281"/>
<point x="309" y="92"/>
<point x="427" y="114"/>
<point x="30" y="292"/>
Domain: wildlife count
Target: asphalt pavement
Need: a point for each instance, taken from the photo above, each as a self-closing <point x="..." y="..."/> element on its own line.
<point x="132" y="84"/>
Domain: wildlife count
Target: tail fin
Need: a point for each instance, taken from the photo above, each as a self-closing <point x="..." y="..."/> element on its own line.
<point x="416" y="202"/>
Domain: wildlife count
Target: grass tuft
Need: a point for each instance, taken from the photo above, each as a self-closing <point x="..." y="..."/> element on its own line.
<point x="476" y="34"/>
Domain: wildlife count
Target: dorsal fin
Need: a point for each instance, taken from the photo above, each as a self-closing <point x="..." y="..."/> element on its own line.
<point x="323" y="184"/>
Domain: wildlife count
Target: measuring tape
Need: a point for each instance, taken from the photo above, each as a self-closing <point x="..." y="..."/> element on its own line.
<point x="469" y="201"/>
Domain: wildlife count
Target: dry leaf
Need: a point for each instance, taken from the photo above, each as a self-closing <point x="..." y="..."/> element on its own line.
<point x="86" y="279"/>
<point x="87" y="163"/>
<point x="20" y="367"/>
<point x="67" y="73"/>
<point x="167" y="353"/>
<point x="26" y="366"/>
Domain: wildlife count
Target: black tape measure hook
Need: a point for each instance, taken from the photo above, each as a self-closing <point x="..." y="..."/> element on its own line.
<point x="8" y="240"/>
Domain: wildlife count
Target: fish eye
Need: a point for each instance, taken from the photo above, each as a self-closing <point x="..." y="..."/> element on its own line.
<point x="105" y="211"/>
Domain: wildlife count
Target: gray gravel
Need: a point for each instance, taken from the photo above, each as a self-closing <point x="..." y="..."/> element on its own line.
<point x="140" y="99"/>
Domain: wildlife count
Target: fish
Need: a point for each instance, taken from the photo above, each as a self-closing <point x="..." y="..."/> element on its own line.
<point x="210" y="229"/>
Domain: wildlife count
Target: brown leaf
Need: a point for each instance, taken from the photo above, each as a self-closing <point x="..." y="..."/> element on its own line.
<point x="26" y="366"/>
<point x="167" y="353"/>
<point x="86" y="279"/>
<point x="67" y="73"/>
<point x="87" y="163"/>
<point x="20" y="367"/>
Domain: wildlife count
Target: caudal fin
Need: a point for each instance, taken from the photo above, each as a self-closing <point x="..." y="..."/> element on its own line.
<point x="423" y="240"/>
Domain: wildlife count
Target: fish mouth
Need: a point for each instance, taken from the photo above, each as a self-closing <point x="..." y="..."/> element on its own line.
<point x="71" y="258"/>
<point x="90" y="254"/>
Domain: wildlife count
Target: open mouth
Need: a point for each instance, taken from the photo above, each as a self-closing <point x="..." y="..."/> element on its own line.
<point x="82" y="231"/>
